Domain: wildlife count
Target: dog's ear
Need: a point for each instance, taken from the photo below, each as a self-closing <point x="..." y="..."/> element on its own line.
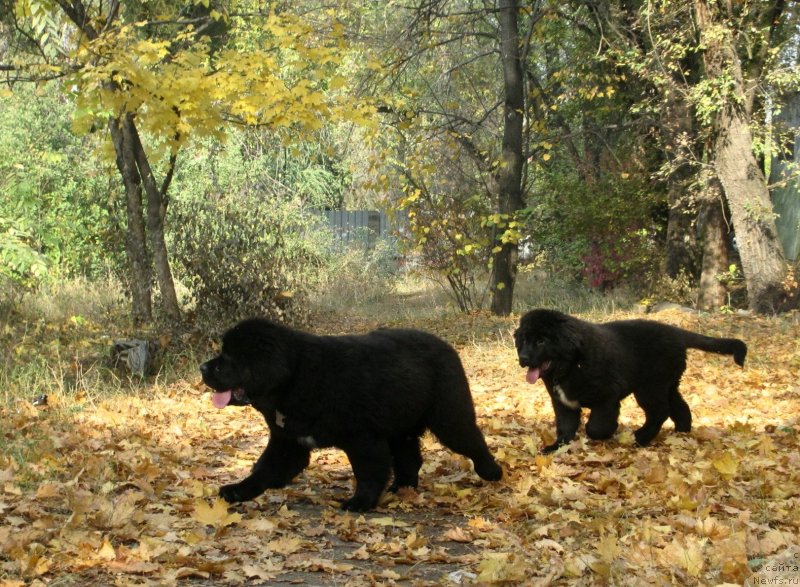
<point x="262" y="354"/>
<point x="571" y="338"/>
<point x="269" y="371"/>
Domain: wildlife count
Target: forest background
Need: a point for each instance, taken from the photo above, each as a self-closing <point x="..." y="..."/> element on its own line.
<point x="162" y="169"/>
<point x="613" y="145"/>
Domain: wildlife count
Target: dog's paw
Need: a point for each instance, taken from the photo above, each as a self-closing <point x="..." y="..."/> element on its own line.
<point x="359" y="503"/>
<point x="489" y="471"/>
<point x="643" y="438"/>
<point x="237" y="492"/>
<point x="551" y="448"/>
<point x="398" y="485"/>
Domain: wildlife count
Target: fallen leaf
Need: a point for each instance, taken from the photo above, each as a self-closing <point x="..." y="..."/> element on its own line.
<point x="458" y="534"/>
<point x="215" y="514"/>
<point x="727" y="465"/>
<point x="501" y="567"/>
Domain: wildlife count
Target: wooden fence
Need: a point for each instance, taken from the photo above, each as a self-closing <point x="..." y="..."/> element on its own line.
<point x="357" y="226"/>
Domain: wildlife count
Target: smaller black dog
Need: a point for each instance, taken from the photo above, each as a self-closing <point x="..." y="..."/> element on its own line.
<point x="595" y="366"/>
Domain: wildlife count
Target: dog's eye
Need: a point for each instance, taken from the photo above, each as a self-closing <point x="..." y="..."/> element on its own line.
<point x="540" y="341"/>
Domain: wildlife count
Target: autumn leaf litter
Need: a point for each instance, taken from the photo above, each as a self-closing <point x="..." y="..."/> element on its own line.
<point x="122" y="491"/>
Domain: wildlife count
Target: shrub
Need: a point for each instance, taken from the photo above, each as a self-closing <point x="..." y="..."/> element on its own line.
<point x="357" y="274"/>
<point x="609" y="233"/>
<point x="19" y="261"/>
<point x="242" y="257"/>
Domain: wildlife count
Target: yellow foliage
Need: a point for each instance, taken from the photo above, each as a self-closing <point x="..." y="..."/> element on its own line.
<point x="215" y="514"/>
<point x="179" y="87"/>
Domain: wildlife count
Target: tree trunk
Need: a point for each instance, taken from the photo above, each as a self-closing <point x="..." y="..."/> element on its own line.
<point x="509" y="176"/>
<point x="156" y="212"/>
<point x="763" y="262"/>
<point x="681" y="246"/>
<point x="715" y="253"/>
<point x="135" y="239"/>
<point x="753" y="220"/>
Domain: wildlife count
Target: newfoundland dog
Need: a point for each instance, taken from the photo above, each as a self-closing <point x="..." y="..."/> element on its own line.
<point x="595" y="366"/>
<point x="371" y="395"/>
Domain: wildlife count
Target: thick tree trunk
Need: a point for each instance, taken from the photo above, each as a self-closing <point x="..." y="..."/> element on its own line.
<point x="156" y="212"/>
<point x="753" y="220"/>
<point x="763" y="262"/>
<point x="135" y="239"/>
<point x="509" y="177"/>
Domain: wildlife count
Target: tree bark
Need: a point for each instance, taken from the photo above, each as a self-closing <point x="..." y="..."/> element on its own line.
<point x="681" y="246"/>
<point x="715" y="252"/>
<point x="745" y="186"/>
<point x="156" y="213"/>
<point x="509" y="176"/>
<point x="134" y="169"/>
<point x="135" y="236"/>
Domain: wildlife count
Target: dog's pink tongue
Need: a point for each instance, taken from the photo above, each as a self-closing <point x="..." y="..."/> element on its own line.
<point x="532" y="375"/>
<point x="220" y="399"/>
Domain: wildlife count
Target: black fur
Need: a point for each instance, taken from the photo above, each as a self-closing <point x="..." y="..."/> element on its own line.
<point x="372" y="396"/>
<point x="595" y="366"/>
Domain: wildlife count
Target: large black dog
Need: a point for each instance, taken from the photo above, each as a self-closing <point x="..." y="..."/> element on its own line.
<point x="595" y="366"/>
<point x="371" y="395"/>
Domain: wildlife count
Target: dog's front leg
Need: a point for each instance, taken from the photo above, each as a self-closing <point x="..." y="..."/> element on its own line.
<point x="567" y="422"/>
<point x="281" y="461"/>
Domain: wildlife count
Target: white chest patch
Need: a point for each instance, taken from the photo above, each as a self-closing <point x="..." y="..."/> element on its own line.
<point x="562" y="397"/>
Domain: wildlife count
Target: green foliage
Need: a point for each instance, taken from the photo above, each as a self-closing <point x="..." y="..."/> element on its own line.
<point x="449" y="224"/>
<point x="608" y="232"/>
<point x="242" y="257"/>
<point x="681" y="290"/>
<point x="308" y="172"/>
<point x="19" y="262"/>
<point x="56" y="203"/>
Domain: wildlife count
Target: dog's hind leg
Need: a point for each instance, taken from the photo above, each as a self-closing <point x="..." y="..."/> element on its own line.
<point x="465" y="438"/>
<point x="654" y="401"/>
<point x="371" y="461"/>
<point x="679" y="411"/>
<point x="406" y="461"/>
<point x="603" y="421"/>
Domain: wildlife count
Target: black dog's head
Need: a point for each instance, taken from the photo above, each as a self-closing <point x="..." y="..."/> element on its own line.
<point x="547" y="343"/>
<point x="226" y="378"/>
<point x="252" y="362"/>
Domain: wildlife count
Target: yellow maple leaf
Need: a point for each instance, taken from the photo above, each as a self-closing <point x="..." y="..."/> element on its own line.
<point x="287" y="545"/>
<point x="686" y="553"/>
<point x="215" y="514"/>
<point x="387" y="521"/>
<point x="501" y="567"/>
<point x="608" y="548"/>
<point x="106" y="552"/>
<point x="727" y="465"/>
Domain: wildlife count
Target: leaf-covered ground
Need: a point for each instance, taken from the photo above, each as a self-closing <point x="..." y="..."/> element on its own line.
<point x="122" y="490"/>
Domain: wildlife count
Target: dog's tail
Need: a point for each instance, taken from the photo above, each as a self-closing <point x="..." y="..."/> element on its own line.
<point x="721" y="346"/>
